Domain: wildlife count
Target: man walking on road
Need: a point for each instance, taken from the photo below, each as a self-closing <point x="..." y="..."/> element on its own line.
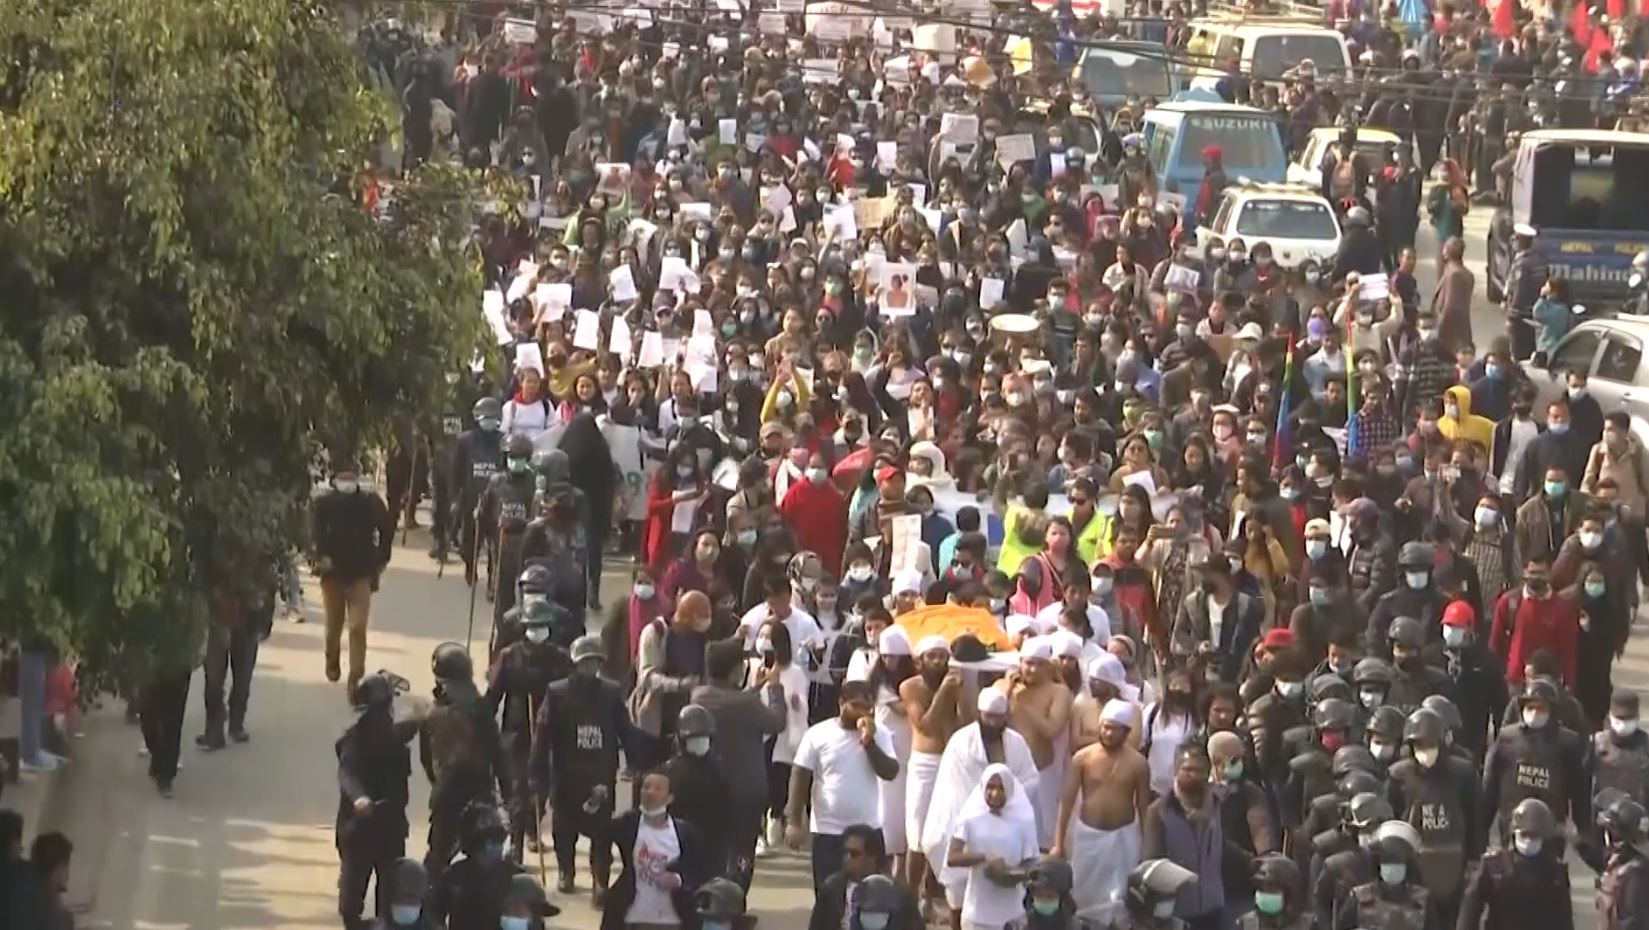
<point x="353" y="533"/>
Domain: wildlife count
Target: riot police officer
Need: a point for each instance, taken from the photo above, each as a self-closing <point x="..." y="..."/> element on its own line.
<point x="1414" y="596"/>
<point x="555" y="537"/>
<point x="1414" y="679"/>
<point x="470" y="892"/>
<point x="532" y="586"/>
<point x="582" y="723"/>
<point x="1538" y="758"/>
<point x="462" y="754"/>
<point x="1435" y="791"/>
<point x="519" y="679"/>
<point x="1326" y="825"/>
<point x="477" y="456"/>
<point x="720" y="905"/>
<point x="1526" y="886"/>
<point x="525" y="905"/>
<point x="1148" y="901"/>
<point x="1311" y="767"/>
<point x="1395" y="899"/>
<point x="1385" y="735"/>
<point x="1340" y="861"/>
<point x="1621" y="750"/>
<point x="1447" y="712"/>
<point x="1623" y="887"/>
<point x="698" y="782"/>
<point x="505" y="508"/>
<point x="1279" y="901"/>
<point x="408" y="885"/>
<point x="1048" y="901"/>
<point x="441" y="449"/>
<point x="374" y="763"/>
<point x="1371" y="677"/>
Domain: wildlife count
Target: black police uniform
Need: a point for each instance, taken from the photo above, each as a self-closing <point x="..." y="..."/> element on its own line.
<point x="1623" y="890"/>
<point x="1621" y="764"/>
<point x="506" y="507"/>
<point x="374" y="762"/>
<point x="582" y="724"/>
<point x="1546" y="763"/>
<point x="470" y="894"/>
<point x="477" y="457"/>
<point x="518" y="681"/>
<point x="1407" y="907"/>
<point x="1517" y="892"/>
<point x="463" y="756"/>
<point x="1441" y="804"/>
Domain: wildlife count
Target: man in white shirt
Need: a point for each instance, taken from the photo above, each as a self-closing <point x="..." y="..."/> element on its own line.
<point x="804" y="630"/>
<point x="660" y="857"/>
<point x="837" y="768"/>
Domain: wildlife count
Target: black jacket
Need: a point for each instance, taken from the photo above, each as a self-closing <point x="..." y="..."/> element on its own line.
<point x="352" y="532"/>
<point x="693" y="865"/>
<point x="830" y="905"/>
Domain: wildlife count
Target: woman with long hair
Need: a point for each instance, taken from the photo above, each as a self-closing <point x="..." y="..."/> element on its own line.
<point x="775" y="650"/>
<point x="591" y="469"/>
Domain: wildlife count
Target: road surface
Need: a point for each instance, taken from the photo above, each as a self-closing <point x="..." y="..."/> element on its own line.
<point x="247" y="844"/>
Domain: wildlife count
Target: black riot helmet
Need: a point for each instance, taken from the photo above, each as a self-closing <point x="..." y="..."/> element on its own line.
<point x="1276" y="871"/>
<point x="1407" y="631"/>
<point x="1353" y="758"/>
<point x="519" y="447"/>
<point x="524" y="890"/>
<point x="1372" y="671"/>
<point x="488" y="413"/>
<point x="408" y="881"/>
<point x="695" y="720"/>
<point x="376" y="691"/>
<point x="1445" y="710"/>
<point x="1357" y="782"/>
<point x="1416" y="555"/>
<point x="878" y="893"/>
<point x="1386" y="723"/>
<point x="1053" y="874"/>
<point x="1534" y="818"/>
<point x="536" y="579"/>
<point x="553" y="464"/>
<point x="451" y="662"/>
<point x="1328" y="685"/>
<point x="719" y="898"/>
<point x="1624" y="821"/>
<point x="481" y="823"/>
<point x="1424" y="727"/>
<point x="1367" y="810"/>
<point x="1333" y="714"/>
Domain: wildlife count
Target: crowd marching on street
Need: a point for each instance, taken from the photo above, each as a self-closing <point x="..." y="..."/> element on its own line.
<point x="1049" y="499"/>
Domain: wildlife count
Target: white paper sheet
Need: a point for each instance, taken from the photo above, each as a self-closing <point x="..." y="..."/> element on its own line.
<point x="587" y="334"/>
<point x="623" y="283"/>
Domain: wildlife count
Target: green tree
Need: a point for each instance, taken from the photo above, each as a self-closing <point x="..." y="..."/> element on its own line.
<point x="192" y="303"/>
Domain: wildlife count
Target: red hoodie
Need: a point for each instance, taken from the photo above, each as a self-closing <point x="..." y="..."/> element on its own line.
<point x="1541" y="623"/>
<point x="817" y="514"/>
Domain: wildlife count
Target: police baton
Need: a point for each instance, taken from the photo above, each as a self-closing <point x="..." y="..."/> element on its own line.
<point x="492" y="631"/>
<point x="474" y="566"/>
<point x="532" y="793"/>
<point x="412" y="486"/>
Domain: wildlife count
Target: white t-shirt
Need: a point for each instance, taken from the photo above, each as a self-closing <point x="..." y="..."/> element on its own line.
<point x="530" y="420"/>
<point x="845" y="787"/>
<point x="656" y="849"/>
<point x="804" y="630"/>
<point x="984" y="902"/>
<point x="1162" y="736"/>
<point x="793" y="682"/>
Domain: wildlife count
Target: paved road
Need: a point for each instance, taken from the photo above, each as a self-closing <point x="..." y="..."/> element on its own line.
<point x="247" y="843"/>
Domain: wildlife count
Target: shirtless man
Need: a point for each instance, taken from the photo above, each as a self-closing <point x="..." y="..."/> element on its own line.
<point x="1107" y="681"/>
<point x="936" y="704"/>
<point x="1039" y="709"/>
<point x="1113" y="783"/>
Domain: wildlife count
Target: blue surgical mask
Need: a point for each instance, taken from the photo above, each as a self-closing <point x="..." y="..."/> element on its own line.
<point x="514" y="923"/>
<point x="1596" y="589"/>
<point x="1268" y="902"/>
<point x="1393" y="873"/>
<point x="1320" y="596"/>
<point x="1316" y="548"/>
<point x="1556" y="489"/>
<point x="493" y="851"/>
<point x="1559" y="428"/>
<point x="405" y="915"/>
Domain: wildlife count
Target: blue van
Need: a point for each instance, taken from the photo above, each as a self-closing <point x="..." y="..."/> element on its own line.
<point x="1177" y="132"/>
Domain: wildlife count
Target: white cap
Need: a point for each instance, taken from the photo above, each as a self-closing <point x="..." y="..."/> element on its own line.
<point x="1022" y="623"/>
<point x="1065" y="643"/>
<point x="1037" y="647"/>
<point x="993" y="702"/>
<point x="1121" y="713"/>
<point x="894" y="641"/>
<point x="908" y="580"/>
<point x="1250" y="331"/>
<point x="1524" y="230"/>
<point x="1108" y="668"/>
<point x="934" y="643"/>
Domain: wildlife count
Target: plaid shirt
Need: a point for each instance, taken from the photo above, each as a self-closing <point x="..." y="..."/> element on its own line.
<point x="1376" y="430"/>
<point x="1426" y="374"/>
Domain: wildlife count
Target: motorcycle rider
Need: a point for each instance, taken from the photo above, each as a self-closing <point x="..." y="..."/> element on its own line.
<point x="477" y="456"/>
<point x="1525" y="887"/>
<point x="1435" y="791"/>
<point x="462" y="754"/>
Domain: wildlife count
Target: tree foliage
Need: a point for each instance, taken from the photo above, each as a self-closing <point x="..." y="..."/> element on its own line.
<point x="191" y="302"/>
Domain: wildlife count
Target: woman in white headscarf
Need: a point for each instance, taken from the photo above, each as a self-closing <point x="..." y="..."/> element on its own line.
<point x="995" y="840"/>
<point x="927" y="469"/>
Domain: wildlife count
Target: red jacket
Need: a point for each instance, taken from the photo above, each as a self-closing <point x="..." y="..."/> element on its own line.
<point x="1551" y="623"/>
<point x="656" y="550"/>
<point x="817" y="514"/>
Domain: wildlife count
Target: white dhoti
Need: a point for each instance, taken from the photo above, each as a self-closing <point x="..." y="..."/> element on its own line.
<point x="1100" y="862"/>
<point x="1050" y="782"/>
<point x="923" y="774"/>
<point x="890" y="719"/>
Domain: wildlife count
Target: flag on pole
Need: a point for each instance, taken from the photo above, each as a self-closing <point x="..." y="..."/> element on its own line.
<point x="1280" y="452"/>
<point x="1354" y="394"/>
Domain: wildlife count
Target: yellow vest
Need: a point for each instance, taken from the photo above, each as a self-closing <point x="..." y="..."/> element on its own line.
<point x="1094" y="542"/>
<point x="1014" y="552"/>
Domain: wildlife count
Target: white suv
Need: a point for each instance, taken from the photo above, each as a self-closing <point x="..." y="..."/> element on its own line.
<point x="1294" y="220"/>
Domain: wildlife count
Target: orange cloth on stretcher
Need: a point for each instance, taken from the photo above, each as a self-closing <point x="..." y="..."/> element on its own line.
<point x="951" y="621"/>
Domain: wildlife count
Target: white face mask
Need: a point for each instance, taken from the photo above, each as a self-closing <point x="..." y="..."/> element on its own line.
<point x="1164" y="908"/>
<point x="346" y="487"/>
<point x="1591" y="540"/>
<point x="1427" y="756"/>
<point x="874" y="920"/>
<point x="1417" y="580"/>
<point x="653" y="812"/>
<point x="1487" y="517"/>
<point x="1383" y="751"/>
<point x="1527" y="846"/>
<point x="765" y="646"/>
<point x="697" y="745"/>
<point x="538" y="635"/>
<point x="1370" y="699"/>
<point x="1393" y="873"/>
<point x="1290" y="689"/>
<point x="1622" y="727"/>
<point x="1535" y="719"/>
<point x="1454" y="636"/>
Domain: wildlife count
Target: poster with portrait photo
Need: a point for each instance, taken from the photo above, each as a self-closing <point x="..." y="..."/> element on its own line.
<point x="897" y="294"/>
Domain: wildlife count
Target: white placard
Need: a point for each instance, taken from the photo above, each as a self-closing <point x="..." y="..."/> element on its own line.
<point x="623" y="283"/>
<point x="1015" y="148"/>
<point x="624" y="442"/>
<point x="703" y="323"/>
<point x="529" y="355"/>
<point x="652" y="350"/>
<point x="887" y="155"/>
<point x="991" y="292"/>
<point x="959" y="127"/>
<point x="897" y="297"/>
<point x="1373" y="287"/>
<point x="587" y="334"/>
<point x="492" y="307"/>
<point x="728" y="131"/>
<point x="1181" y="278"/>
<point x="674" y="274"/>
<point x="618" y="342"/>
